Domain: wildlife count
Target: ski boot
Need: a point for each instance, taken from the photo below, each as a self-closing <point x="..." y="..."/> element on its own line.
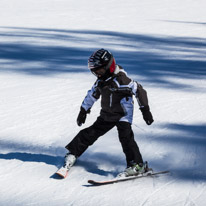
<point x="69" y="161"/>
<point x="134" y="170"/>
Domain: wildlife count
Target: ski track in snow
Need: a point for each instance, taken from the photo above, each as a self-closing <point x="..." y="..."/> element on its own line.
<point x="44" y="47"/>
<point x="156" y="191"/>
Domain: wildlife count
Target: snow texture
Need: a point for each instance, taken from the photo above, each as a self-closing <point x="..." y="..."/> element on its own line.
<point x="44" y="47"/>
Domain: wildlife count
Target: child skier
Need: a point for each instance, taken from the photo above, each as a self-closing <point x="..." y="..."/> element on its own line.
<point x="116" y="90"/>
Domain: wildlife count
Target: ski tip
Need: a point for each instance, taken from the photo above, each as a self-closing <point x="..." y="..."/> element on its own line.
<point x="62" y="174"/>
<point x="94" y="183"/>
<point x="91" y="181"/>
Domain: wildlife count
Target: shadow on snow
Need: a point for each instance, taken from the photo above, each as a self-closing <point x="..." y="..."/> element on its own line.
<point x="51" y="156"/>
<point x="155" y="58"/>
<point x="186" y="151"/>
<point x="185" y="156"/>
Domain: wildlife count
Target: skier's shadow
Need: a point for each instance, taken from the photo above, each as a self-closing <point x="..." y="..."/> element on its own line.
<point x="92" y="167"/>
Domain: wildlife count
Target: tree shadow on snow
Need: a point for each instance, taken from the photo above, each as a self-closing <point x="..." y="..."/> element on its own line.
<point x="90" y="161"/>
<point x="154" y="59"/>
<point x="54" y="51"/>
<point x="29" y="157"/>
<point x="31" y="153"/>
<point x="89" y="166"/>
<point x="185" y="155"/>
<point x="186" y="151"/>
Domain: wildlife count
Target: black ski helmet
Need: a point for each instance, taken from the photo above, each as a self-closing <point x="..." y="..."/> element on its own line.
<point x="102" y="59"/>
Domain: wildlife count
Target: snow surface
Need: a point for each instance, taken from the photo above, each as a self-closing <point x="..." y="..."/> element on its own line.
<point x="44" y="47"/>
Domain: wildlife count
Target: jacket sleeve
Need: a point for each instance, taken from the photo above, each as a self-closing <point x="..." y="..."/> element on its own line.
<point x="140" y="94"/>
<point x="92" y="96"/>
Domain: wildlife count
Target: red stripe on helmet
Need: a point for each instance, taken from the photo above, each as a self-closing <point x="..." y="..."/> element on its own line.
<point x="112" y="67"/>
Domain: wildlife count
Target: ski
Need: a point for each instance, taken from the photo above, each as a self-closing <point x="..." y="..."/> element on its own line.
<point x="62" y="172"/>
<point x="147" y="174"/>
<point x="68" y="163"/>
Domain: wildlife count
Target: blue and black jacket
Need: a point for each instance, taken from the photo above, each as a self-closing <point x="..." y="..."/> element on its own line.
<point x="116" y="96"/>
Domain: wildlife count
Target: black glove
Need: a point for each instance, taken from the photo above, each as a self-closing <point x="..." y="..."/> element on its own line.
<point x="147" y="115"/>
<point x="82" y="116"/>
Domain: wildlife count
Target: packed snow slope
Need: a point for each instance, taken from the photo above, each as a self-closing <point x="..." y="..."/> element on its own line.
<point x="44" y="47"/>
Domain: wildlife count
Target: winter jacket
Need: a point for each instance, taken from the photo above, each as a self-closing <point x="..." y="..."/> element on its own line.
<point x="116" y="96"/>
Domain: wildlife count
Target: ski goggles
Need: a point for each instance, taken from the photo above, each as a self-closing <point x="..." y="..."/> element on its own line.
<point x="99" y="72"/>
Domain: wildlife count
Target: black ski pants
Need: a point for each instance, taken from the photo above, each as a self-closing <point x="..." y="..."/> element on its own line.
<point x="88" y="136"/>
